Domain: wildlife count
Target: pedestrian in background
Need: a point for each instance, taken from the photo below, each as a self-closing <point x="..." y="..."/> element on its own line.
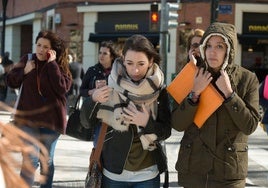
<point x="101" y="70"/>
<point x="193" y="44"/>
<point x="135" y="105"/>
<point x="77" y="71"/>
<point x="45" y="79"/>
<point x="216" y="154"/>
<point x="99" y="74"/>
<point x="6" y="60"/>
<point x="7" y="65"/>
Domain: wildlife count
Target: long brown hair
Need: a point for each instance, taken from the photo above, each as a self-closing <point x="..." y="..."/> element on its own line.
<point x="12" y="141"/>
<point x="59" y="46"/>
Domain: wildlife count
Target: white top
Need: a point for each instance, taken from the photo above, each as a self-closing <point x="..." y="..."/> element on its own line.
<point x="130" y="176"/>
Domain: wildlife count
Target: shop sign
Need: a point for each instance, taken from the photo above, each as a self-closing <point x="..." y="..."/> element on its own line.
<point x="258" y="28"/>
<point x="104" y="27"/>
<point x="126" y="27"/>
<point x="255" y="23"/>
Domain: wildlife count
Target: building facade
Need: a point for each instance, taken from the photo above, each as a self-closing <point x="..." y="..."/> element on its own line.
<point x="84" y="24"/>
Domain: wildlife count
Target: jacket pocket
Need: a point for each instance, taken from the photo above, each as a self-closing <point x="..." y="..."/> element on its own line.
<point x="182" y="164"/>
<point x="236" y="157"/>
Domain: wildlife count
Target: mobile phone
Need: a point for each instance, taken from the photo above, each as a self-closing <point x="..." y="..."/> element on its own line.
<point x="199" y="61"/>
<point x="100" y="83"/>
<point x="48" y="56"/>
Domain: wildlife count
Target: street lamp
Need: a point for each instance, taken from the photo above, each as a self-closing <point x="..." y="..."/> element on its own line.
<point x="4" y="4"/>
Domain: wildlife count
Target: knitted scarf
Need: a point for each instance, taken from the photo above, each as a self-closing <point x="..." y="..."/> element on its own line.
<point x="126" y="92"/>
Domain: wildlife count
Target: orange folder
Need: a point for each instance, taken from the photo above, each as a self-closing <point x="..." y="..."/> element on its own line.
<point x="210" y="100"/>
<point x="183" y="83"/>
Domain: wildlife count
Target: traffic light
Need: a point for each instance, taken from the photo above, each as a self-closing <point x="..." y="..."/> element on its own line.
<point x="154" y="17"/>
<point x="172" y="15"/>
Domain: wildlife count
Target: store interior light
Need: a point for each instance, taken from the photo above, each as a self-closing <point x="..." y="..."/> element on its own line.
<point x="250" y="49"/>
<point x="184" y="23"/>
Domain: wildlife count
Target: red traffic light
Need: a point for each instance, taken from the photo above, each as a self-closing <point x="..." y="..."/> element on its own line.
<point x="154" y="17"/>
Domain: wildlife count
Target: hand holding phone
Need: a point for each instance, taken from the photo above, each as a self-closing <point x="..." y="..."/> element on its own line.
<point x="100" y="83"/>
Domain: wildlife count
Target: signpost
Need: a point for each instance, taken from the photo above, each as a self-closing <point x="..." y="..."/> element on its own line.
<point x="4" y="4"/>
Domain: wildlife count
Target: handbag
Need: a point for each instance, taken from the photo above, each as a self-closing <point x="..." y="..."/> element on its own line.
<point x="94" y="174"/>
<point x="74" y="127"/>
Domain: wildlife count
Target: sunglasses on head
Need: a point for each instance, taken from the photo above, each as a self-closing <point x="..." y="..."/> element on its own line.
<point x="195" y="45"/>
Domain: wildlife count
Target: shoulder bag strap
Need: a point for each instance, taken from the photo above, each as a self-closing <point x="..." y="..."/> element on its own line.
<point x="98" y="149"/>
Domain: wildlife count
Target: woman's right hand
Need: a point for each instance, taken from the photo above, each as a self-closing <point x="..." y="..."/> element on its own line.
<point x="29" y="67"/>
<point x="201" y="81"/>
<point x="101" y="95"/>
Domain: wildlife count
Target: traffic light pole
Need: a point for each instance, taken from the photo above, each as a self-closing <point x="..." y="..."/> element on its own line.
<point x="4" y="4"/>
<point x="163" y="38"/>
<point x="214" y="9"/>
<point x="169" y="20"/>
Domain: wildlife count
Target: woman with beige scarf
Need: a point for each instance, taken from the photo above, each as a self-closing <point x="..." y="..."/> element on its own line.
<point x="135" y="105"/>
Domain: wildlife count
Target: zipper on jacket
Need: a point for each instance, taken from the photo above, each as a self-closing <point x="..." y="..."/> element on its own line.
<point x="206" y="184"/>
<point x="94" y="107"/>
<point x="93" y="83"/>
<point x="132" y="134"/>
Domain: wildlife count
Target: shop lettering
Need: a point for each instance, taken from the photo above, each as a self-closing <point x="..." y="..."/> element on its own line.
<point x="258" y="28"/>
<point x="124" y="27"/>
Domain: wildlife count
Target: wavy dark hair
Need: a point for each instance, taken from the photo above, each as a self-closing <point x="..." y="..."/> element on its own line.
<point x="59" y="46"/>
<point x="111" y="46"/>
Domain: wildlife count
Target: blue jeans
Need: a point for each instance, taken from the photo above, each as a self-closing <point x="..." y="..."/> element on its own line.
<point x="97" y="129"/>
<point x="266" y="128"/>
<point x="152" y="183"/>
<point x="49" y="139"/>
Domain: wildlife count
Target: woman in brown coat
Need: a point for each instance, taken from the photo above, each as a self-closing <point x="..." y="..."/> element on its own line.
<point x="45" y="79"/>
<point x="216" y="154"/>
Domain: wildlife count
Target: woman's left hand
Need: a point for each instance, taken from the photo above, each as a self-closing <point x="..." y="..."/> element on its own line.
<point x="134" y="116"/>
<point x="224" y="84"/>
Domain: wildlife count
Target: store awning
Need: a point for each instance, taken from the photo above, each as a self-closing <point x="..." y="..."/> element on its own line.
<point x="117" y="37"/>
<point x="251" y="39"/>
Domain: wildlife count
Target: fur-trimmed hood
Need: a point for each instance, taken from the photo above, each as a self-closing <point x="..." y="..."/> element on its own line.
<point x="228" y="33"/>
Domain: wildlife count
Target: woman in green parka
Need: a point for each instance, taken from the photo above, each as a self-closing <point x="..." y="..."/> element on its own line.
<point x="216" y="154"/>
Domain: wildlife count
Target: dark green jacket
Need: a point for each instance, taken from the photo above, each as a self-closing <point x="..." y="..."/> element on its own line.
<point x="219" y="148"/>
